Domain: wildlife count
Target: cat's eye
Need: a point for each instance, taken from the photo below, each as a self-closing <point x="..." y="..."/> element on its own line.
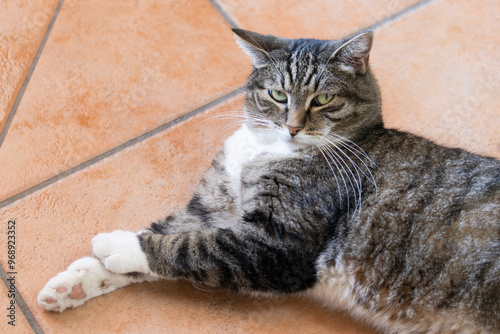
<point x="322" y="99"/>
<point x="278" y="96"/>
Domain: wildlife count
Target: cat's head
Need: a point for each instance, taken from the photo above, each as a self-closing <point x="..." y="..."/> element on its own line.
<point x="305" y="90"/>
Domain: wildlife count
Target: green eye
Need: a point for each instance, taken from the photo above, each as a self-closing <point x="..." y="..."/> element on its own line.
<point x="322" y="99"/>
<point x="278" y="95"/>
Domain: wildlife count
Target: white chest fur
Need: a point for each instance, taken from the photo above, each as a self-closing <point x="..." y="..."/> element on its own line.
<point x="243" y="147"/>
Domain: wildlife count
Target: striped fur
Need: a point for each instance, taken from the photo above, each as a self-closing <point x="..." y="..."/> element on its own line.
<point x="402" y="232"/>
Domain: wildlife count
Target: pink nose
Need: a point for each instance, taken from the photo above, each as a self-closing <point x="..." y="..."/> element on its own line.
<point x="294" y="130"/>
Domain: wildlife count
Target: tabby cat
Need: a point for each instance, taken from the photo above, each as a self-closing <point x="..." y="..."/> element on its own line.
<point x="314" y="196"/>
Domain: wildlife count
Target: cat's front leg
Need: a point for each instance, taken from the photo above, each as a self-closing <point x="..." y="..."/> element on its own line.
<point x="246" y="260"/>
<point x="120" y="252"/>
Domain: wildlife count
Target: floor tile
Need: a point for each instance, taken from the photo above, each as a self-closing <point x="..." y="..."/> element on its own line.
<point x="111" y="71"/>
<point x="128" y="191"/>
<point x="23" y="24"/>
<point x="324" y="19"/>
<point x="438" y="70"/>
<point x="21" y="325"/>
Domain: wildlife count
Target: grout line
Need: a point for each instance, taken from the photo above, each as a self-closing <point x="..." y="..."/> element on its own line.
<point x="3" y="274"/>
<point x="20" y="95"/>
<point x="21" y="303"/>
<point x="117" y="149"/>
<point x="224" y="14"/>
<point x="374" y="26"/>
<point x="136" y="140"/>
<point x="393" y="17"/>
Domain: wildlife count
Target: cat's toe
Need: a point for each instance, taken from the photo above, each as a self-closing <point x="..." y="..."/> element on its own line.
<point x="48" y="300"/>
<point x="52" y="300"/>
<point x="61" y="289"/>
<point x="77" y="292"/>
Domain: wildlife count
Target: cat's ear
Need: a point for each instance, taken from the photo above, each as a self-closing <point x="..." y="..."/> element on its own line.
<point x="353" y="55"/>
<point x="261" y="48"/>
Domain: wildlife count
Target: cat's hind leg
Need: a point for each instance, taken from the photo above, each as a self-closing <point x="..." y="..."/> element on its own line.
<point x="84" y="279"/>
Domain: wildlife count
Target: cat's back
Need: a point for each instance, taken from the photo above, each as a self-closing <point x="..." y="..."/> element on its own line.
<point x="427" y="182"/>
<point x="426" y="243"/>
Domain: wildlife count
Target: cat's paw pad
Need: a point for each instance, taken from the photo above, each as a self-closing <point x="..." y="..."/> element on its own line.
<point x="84" y="279"/>
<point x="121" y="252"/>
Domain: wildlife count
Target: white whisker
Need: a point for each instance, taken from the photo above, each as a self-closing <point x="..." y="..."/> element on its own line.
<point x="356" y="147"/>
<point x="369" y="176"/>
<point x="333" y="172"/>
<point x="350" y="160"/>
<point x="354" y="182"/>
<point x="350" y="176"/>
<point x="220" y="117"/>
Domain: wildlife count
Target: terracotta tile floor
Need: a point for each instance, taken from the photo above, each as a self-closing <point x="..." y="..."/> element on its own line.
<point x="106" y="119"/>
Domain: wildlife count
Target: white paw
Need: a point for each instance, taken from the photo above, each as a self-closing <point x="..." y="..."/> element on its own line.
<point x="120" y="252"/>
<point x="85" y="278"/>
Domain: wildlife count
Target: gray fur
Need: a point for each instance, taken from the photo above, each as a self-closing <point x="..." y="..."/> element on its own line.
<point x="413" y="227"/>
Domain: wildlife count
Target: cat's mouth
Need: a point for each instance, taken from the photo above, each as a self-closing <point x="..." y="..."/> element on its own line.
<point x="293" y="141"/>
<point x="297" y="142"/>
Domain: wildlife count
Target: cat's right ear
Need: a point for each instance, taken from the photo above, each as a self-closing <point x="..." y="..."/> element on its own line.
<point x="353" y="55"/>
<point x="259" y="47"/>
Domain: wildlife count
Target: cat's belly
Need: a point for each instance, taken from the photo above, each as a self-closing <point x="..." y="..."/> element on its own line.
<point x="336" y="288"/>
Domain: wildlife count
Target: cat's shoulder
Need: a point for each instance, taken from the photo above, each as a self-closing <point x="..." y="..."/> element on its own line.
<point x="404" y="145"/>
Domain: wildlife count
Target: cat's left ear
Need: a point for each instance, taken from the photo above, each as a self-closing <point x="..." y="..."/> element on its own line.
<point x="263" y="49"/>
<point x="353" y="55"/>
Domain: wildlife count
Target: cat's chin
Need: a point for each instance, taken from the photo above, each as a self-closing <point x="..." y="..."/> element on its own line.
<point x="280" y="142"/>
<point x="291" y="145"/>
<point x="296" y="144"/>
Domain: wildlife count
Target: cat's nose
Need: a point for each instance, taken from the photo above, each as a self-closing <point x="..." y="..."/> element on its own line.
<point x="294" y="130"/>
